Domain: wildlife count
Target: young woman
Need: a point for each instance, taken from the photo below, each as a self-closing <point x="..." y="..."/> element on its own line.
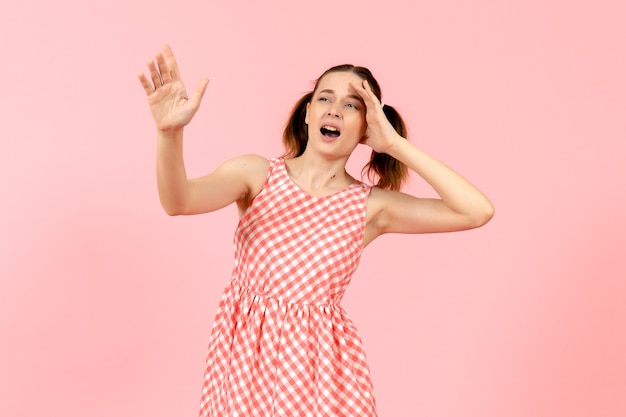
<point x="281" y="344"/>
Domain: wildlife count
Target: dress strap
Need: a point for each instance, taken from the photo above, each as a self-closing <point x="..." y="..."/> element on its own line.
<point x="273" y="173"/>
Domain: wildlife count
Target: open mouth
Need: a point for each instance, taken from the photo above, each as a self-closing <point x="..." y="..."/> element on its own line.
<point x="330" y="131"/>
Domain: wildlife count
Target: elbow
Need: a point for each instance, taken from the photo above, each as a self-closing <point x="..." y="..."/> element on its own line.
<point x="172" y="213"/>
<point x="173" y="210"/>
<point x="483" y="216"/>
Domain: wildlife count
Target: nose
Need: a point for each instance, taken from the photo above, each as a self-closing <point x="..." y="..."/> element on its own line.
<point x="332" y="111"/>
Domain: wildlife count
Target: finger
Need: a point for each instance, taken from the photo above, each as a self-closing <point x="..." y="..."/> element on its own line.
<point x="371" y="93"/>
<point x="171" y="62"/>
<point x="369" y="98"/>
<point x="163" y="68"/>
<point x="147" y="87"/>
<point x="154" y="74"/>
<point x="361" y="91"/>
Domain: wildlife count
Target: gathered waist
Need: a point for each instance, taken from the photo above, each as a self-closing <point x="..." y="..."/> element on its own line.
<point x="241" y="288"/>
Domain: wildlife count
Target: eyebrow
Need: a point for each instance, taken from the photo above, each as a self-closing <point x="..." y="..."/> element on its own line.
<point x="331" y="91"/>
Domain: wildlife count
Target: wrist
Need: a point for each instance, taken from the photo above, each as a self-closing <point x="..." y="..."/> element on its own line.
<point x="395" y="145"/>
<point x="170" y="134"/>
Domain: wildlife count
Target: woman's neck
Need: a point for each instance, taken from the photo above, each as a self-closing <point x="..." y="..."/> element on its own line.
<point x="318" y="174"/>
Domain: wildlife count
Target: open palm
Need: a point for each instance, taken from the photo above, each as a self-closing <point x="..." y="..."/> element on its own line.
<point x="169" y="103"/>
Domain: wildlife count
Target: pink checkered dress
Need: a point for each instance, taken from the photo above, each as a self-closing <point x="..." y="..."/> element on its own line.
<point x="281" y="344"/>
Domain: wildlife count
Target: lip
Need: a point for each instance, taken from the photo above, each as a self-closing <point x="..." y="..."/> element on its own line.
<point x="331" y="125"/>
<point x="328" y="139"/>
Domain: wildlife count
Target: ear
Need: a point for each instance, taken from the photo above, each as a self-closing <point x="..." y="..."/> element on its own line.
<point x="306" y="114"/>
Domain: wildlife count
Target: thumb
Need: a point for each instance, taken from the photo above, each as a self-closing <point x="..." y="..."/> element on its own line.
<point x="199" y="92"/>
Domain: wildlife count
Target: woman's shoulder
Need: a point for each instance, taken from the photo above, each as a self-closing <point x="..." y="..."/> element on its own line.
<point x="250" y="158"/>
<point x="249" y="164"/>
<point x="254" y="169"/>
<point x="249" y="169"/>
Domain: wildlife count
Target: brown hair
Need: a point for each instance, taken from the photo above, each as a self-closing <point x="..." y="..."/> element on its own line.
<point x="391" y="173"/>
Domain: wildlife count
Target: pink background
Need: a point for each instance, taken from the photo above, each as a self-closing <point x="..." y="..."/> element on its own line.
<point x="106" y="303"/>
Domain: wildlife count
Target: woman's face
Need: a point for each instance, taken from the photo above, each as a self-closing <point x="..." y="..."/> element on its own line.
<point x="336" y="114"/>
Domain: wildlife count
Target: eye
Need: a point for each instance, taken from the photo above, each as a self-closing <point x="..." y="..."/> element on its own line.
<point x="352" y="106"/>
<point x="324" y="99"/>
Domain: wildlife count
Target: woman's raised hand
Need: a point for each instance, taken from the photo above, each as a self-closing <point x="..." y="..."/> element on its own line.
<point x="380" y="134"/>
<point x="169" y="103"/>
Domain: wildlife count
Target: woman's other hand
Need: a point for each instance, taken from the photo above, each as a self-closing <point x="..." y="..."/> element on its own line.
<point x="169" y="103"/>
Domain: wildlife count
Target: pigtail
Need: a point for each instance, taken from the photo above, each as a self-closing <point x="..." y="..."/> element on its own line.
<point x="296" y="135"/>
<point x="391" y="173"/>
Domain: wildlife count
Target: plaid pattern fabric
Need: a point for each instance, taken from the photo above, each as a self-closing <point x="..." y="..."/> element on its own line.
<point x="281" y="345"/>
